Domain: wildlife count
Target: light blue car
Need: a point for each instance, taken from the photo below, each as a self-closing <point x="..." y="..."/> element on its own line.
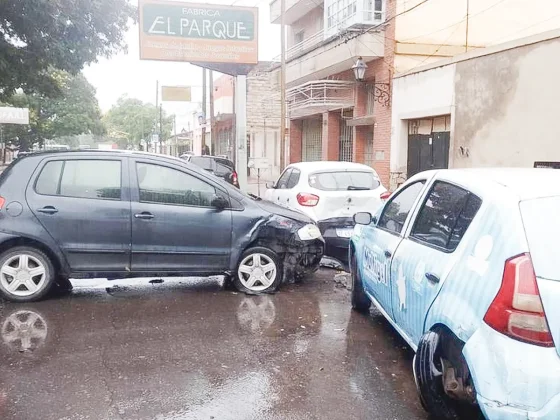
<point x="465" y="264"/>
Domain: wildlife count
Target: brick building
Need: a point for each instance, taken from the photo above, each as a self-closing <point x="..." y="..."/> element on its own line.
<point x="263" y="118"/>
<point x="334" y="117"/>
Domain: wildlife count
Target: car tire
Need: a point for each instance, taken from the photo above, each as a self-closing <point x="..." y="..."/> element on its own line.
<point x="428" y="375"/>
<point x="259" y="271"/>
<point x="360" y="301"/>
<point x="18" y="265"/>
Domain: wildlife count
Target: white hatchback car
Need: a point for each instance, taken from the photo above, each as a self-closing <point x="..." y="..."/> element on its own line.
<point x="330" y="193"/>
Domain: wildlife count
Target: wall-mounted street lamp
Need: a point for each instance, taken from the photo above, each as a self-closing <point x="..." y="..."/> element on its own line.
<point x="359" y="69"/>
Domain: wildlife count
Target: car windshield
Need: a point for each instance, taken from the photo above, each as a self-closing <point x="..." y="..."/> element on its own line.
<point x="344" y="180"/>
<point x="539" y="218"/>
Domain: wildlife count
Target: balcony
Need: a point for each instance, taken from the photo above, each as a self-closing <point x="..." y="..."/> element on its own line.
<point x="319" y="96"/>
<point x="295" y="10"/>
<point x="315" y="59"/>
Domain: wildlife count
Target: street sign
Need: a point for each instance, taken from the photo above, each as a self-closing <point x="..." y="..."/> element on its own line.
<point x="176" y="93"/>
<point x="211" y="33"/>
<point x="14" y="115"/>
<point x="259" y="163"/>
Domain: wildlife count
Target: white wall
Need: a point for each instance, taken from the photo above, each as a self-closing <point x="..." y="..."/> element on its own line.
<point x="425" y="94"/>
<point x="490" y="21"/>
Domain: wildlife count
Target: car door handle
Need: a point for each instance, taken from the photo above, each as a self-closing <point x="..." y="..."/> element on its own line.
<point x="144" y="215"/>
<point x="48" y="210"/>
<point x="432" y="278"/>
<point x="388" y="254"/>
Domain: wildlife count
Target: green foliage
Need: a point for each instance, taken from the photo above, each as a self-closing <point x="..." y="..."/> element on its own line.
<point x="37" y="36"/>
<point x="132" y="121"/>
<point x="75" y="111"/>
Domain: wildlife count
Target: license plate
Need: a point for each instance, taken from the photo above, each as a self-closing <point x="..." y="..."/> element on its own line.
<point x="345" y="233"/>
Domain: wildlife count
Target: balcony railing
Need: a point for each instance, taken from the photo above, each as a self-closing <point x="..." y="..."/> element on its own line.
<point x="302" y="46"/>
<point x="319" y="96"/>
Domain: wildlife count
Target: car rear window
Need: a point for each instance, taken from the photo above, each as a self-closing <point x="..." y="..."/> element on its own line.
<point x="204" y="163"/>
<point x="540" y="218"/>
<point x="344" y="180"/>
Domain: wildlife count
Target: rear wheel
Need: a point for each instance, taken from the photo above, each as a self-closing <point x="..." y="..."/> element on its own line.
<point x="439" y="365"/>
<point x="360" y="301"/>
<point x="259" y="271"/>
<point x="26" y="274"/>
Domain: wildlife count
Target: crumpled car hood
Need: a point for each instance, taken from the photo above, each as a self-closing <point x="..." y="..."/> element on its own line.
<point x="282" y="211"/>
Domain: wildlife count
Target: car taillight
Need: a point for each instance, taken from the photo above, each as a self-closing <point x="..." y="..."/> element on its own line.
<point x="234" y="178"/>
<point x="385" y="195"/>
<point x="2" y="202"/>
<point x="517" y="309"/>
<point x="307" y="200"/>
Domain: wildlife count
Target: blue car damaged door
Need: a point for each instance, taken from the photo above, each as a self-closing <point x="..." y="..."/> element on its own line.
<point x="381" y="240"/>
<point x="429" y="252"/>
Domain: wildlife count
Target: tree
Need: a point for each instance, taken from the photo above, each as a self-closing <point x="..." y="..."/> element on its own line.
<point x="75" y="111"/>
<point x="134" y="121"/>
<point x="37" y="36"/>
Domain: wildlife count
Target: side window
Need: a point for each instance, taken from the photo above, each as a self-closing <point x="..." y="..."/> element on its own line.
<point x="396" y="211"/>
<point x="82" y="179"/>
<point x="162" y="185"/>
<point x="284" y="178"/>
<point x="294" y="178"/>
<point x="445" y="216"/>
<point x="49" y="179"/>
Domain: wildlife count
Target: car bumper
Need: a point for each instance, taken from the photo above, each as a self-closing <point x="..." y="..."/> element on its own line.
<point x="513" y="380"/>
<point x="336" y="246"/>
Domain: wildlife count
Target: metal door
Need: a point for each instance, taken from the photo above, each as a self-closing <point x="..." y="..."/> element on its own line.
<point x="426" y="150"/>
<point x="346" y="141"/>
<point x="312" y="147"/>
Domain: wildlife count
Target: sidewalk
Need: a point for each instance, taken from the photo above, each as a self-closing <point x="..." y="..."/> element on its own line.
<point x="253" y="186"/>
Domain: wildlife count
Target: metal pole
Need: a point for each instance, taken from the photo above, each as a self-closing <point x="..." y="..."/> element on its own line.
<point x="283" y="85"/>
<point x="157" y="110"/>
<point x="161" y="129"/>
<point x="175" y="134"/>
<point x="233" y="135"/>
<point x="204" y="109"/>
<point x="241" y="129"/>
<point x="212" y="136"/>
<point x="3" y="145"/>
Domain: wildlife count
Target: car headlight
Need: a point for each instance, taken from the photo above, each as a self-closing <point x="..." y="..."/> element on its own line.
<point x="309" y="232"/>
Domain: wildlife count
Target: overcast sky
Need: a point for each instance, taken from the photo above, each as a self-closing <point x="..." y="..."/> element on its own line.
<point x="126" y="74"/>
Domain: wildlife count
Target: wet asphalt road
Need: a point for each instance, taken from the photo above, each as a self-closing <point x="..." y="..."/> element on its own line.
<point x="186" y="349"/>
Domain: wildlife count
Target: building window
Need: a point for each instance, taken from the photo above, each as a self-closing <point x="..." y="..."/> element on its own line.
<point x="298" y="37"/>
<point x="345" y="13"/>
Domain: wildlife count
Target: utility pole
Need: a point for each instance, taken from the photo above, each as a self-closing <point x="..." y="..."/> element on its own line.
<point x="212" y="135"/>
<point x="161" y="129"/>
<point x="203" y="109"/>
<point x="282" y="84"/>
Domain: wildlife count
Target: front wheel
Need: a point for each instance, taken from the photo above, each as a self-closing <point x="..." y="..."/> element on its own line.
<point x="26" y="274"/>
<point x="259" y="271"/>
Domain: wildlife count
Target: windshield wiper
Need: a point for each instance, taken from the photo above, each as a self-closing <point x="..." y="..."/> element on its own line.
<point x="254" y="197"/>
<point x="353" y="188"/>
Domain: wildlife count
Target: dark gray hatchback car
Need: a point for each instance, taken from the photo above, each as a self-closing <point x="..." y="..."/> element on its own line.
<point x="114" y="214"/>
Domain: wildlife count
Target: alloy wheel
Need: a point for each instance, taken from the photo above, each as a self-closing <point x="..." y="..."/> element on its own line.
<point x="257" y="272"/>
<point x="22" y="275"/>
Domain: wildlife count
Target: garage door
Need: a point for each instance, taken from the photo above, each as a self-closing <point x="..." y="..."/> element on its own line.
<point x="428" y="144"/>
<point x="312" y="144"/>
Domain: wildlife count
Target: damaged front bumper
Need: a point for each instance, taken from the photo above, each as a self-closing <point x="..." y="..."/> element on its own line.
<point x="337" y="232"/>
<point x="513" y="380"/>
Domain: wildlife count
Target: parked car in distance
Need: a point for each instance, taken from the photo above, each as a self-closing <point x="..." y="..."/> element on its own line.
<point x="120" y="214"/>
<point x="464" y="265"/>
<point x="222" y="168"/>
<point x="330" y="193"/>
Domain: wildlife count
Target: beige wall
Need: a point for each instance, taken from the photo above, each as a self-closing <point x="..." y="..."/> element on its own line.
<point x="438" y="28"/>
<point x="506" y="107"/>
<point x="311" y="23"/>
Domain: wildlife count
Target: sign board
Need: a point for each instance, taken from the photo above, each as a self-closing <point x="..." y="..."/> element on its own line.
<point x="14" y="115"/>
<point x="176" y="94"/>
<point x="210" y="33"/>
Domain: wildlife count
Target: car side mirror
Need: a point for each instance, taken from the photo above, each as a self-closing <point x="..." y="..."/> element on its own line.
<point x="219" y="202"/>
<point x="271" y="185"/>
<point x="363" y="218"/>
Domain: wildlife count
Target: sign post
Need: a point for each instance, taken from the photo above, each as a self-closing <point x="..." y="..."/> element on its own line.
<point x="241" y="129"/>
<point x="10" y="115"/>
